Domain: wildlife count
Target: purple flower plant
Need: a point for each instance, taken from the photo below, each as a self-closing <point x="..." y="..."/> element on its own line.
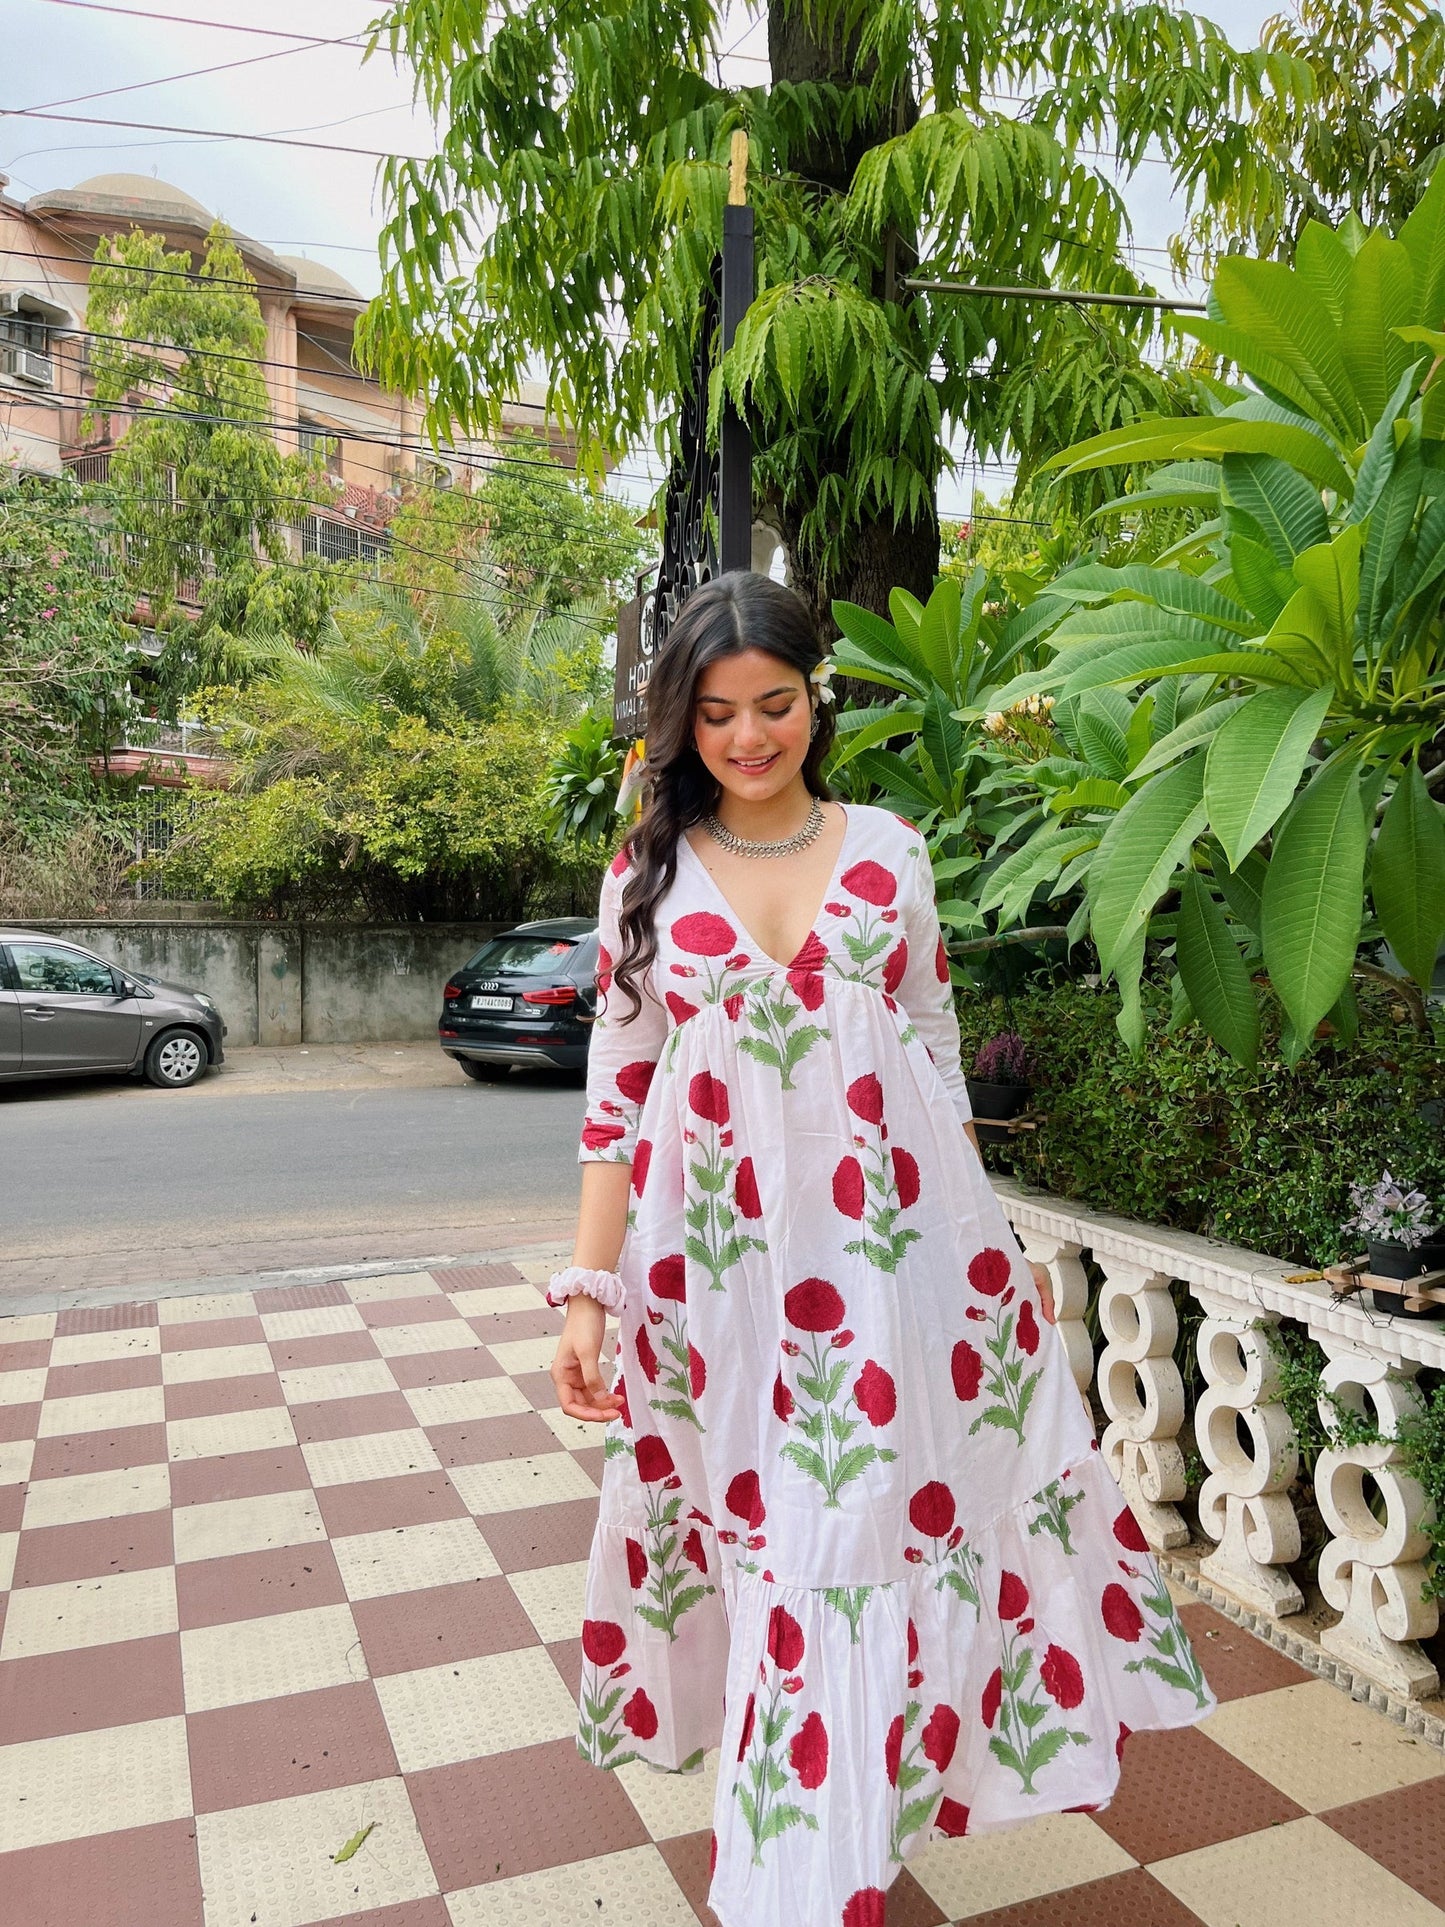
<point x="1004" y="1059"/>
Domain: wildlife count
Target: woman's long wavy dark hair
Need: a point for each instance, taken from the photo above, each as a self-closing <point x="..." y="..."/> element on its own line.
<point x="728" y="615"/>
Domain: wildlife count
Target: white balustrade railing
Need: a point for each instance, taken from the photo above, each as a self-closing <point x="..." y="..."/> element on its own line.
<point x="1371" y="1570"/>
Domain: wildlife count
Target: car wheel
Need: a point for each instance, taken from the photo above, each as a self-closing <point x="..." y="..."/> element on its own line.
<point x="176" y="1058"/>
<point x="481" y="1073"/>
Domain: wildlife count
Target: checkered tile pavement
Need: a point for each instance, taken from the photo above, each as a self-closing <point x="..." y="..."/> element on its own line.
<point x="286" y="1564"/>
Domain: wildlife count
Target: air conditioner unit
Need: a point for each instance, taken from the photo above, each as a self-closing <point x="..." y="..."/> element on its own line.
<point x="28" y="365"/>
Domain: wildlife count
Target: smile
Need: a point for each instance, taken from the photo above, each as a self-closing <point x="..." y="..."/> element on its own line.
<point x="754" y="766"/>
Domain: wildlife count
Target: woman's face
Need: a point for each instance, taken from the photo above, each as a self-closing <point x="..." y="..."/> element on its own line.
<point x="752" y="716"/>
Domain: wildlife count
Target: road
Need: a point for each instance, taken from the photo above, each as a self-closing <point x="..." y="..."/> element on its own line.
<point x="273" y="1161"/>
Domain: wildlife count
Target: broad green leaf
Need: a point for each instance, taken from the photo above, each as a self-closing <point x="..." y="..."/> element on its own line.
<point x="1022" y="870"/>
<point x="1141" y="849"/>
<point x="1283" y="319"/>
<point x="938" y="636"/>
<point x="1243" y="889"/>
<point x="1407" y="876"/>
<point x="1213" y="973"/>
<point x="1378" y="460"/>
<point x="1322" y="261"/>
<point x="1423" y="239"/>
<point x="1094" y="793"/>
<point x="1390" y="522"/>
<point x="907" y="613"/>
<point x="889" y="771"/>
<point x="1289" y="512"/>
<point x="1263" y="584"/>
<point x="1195" y="729"/>
<point x="880" y="729"/>
<point x="1169" y="589"/>
<point x="1158" y="439"/>
<point x="1252" y="767"/>
<point x="1332" y="571"/>
<point x="1103" y="742"/>
<point x="1166" y="658"/>
<point x="944" y="744"/>
<point x="1128" y="971"/>
<point x="1313" y="894"/>
<point x="1377" y="303"/>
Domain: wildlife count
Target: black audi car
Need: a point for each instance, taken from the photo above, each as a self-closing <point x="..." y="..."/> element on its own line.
<point x="528" y="996"/>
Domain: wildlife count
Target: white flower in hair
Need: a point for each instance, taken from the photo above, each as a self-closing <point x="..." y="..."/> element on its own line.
<point x="821" y="677"/>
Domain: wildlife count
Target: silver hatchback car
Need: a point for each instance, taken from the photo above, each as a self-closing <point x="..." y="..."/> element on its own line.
<point x="63" y="1010"/>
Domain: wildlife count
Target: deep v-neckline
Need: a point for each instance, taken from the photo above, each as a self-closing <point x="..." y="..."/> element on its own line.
<point x="829" y="892"/>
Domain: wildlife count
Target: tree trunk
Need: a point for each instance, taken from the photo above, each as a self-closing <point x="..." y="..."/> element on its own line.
<point x="883" y="554"/>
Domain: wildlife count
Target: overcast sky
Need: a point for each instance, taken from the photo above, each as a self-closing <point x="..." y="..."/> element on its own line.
<point x="297" y="201"/>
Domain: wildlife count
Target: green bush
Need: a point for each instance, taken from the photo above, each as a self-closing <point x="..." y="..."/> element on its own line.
<point x="1185" y="1136"/>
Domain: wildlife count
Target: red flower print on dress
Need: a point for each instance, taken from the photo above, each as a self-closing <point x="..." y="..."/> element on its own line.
<point x="1063" y="1678"/>
<point x="808" y="1752"/>
<point x="1013" y="1596"/>
<point x="1027" y="1329"/>
<point x="951" y="1820"/>
<point x="940" y="1736"/>
<point x="745" y="1191"/>
<point x="813" y="1305"/>
<point x="967" y="1369"/>
<point x="905" y="1176"/>
<point x="1127" y="1532"/>
<point x="704" y="934"/>
<point x="625" y="1414"/>
<point x="708" y="1096"/>
<point x="744" y="1499"/>
<point x="1121" y="1615"/>
<point x="733" y="1005"/>
<point x="679" y="1006"/>
<point x="848" y="1189"/>
<point x="813" y="955"/>
<point x="992" y="1696"/>
<point x="785" y="1640"/>
<point x="618" y="866"/>
<point x="865" y="1908"/>
<point x="749" y="1715"/>
<point x="1009" y="1387"/>
<point x="696" y="1372"/>
<point x="603" y="1641"/>
<point x="988" y="1271"/>
<point x="597" y="1133"/>
<point x="865" y="1098"/>
<point x="636" y="1565"/>
<point x="932" y="1510"/>
<point x="683" y="1375"/>
<point x="654" y="1461"/>
<point x="895" y="969"/>
<point x="940" y="962"/>
<point x="641" y="1158"/>
<point x="693" y="1551"/>
<point x="639" y="1716"/>
<point x="646" y="1356"/>
<point x="634" y="1081"/>
<point x="871" y="882"/>
<point x="668" y="1278"/>
<point x="808" y="987"/>
<point x="782" y="1399"/>
<point x="875" y="1394"/>
<point x="893" y="1748"/>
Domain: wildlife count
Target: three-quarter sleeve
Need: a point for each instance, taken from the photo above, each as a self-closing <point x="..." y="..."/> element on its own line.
<point x="624" y="1050"/>
<point x="924" y="990"/>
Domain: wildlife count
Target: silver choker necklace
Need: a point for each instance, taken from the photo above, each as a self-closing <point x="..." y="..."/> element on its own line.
<point x="745" y="846"/>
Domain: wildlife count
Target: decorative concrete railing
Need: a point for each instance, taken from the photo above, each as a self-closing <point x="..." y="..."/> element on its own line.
<point x="1371" y="1571"/>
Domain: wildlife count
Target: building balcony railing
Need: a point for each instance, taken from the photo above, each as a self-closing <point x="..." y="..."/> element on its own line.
<point x="170" y="739"/>
<point x="1371" y="1570"/>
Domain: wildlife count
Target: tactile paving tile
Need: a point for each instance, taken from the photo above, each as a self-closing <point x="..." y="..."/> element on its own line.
<point x="1404" y="1831"/>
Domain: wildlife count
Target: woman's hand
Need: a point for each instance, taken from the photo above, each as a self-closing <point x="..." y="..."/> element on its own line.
<point x="1045" y="1286"/>
<point x="576" y="1370"/>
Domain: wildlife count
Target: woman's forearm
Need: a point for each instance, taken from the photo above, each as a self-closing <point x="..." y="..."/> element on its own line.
<point x="602" y="1215"/>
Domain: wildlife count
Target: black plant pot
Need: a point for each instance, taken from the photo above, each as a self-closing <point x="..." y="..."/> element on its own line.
<point x="996" y="1101"/>
<point x="1391" y="1260"/>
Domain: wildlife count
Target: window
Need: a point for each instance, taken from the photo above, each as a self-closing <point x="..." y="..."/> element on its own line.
<point x="22" y="330"/>
<point x="314" y="442"/>
<point x="50" y="967"/>
<point x="524" y="956"/>
<point x="341" y="541"/>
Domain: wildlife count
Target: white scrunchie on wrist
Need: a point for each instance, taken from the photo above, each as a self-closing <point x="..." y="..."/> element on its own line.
<point x="605" y="1286"/>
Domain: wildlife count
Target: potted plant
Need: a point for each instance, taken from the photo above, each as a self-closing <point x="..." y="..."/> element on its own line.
<point x="1002" y="1081"/>
<point x="1401" y="1236"/>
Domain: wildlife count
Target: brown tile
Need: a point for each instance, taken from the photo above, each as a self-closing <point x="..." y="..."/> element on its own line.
<point x="12" y="1505"/>
<point x="473" y="1441"/>
<point x="688" y="1856"/>
<point x="349" y="1418"/>
<point x="1133" y="1899"/>
<point x="910" y="1906"/>
<point x="544" y="1535"/>
<point x="143" y="1877"/>
<point x="249" y="1585"/>
<point x="476" y="1277"/>
<point x="77" y="1319"/>
<point x="210" y="1397"/>
<point x="19" y="1421"/>
<point x="566" y="1656"/>
<point x="517" y="1812"/>
<point x="300" y="1297"/>
<point x="592" y="1461"/>
<point x="239" y="1475"/>
<point x="1180" y="1791"/>
<point x="90" y="1687"/>
<point x="51" y="1555"/>
<point x="428" y="1912"/>
<point x="444" y="1368"/>
<point x="1404" y="1830"/>
<point x="1235" y="1662"/>
<point x="501" y="1327"/>
<point x="326" y="1348"/>
<point x="65" y="1458"/>
<point x="425" y="1309"/>
<point x="538" y="1390"/>
<point x="405" y="1631"/>
<point x="26" y="1356"/>
<point x="377" y="1505"/>
<point x="274" y="1749"/>
<point x="105" y="1375"/>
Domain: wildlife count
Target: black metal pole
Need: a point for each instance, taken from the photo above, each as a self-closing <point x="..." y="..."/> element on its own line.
<point x="735" y="490"/>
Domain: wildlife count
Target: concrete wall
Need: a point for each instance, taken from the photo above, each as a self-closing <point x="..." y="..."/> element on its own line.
<point x="289" y="983"/>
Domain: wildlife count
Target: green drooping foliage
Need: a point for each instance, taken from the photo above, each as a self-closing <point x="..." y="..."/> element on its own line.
<point x="582" y="784"/>
<point x="572" y="213"/>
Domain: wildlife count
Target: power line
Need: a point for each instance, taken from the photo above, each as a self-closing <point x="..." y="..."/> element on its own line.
<point x="219" y="134"/>
<point x="191" y="73"/>
<point x="187" y="20"/>
<point x="194" y="275"/>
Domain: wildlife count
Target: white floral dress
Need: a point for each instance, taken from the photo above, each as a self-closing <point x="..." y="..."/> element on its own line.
<point x="855" y="1528"/>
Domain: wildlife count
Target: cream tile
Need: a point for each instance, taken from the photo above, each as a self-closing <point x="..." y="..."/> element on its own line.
<point x="197" y="1308"/>
<point x="228" y="1526"/>
<point x="88" y="1348"/>
<point x="500" y="1299"/>
<point x="22" y="1388"/>
<point x="472" y="1398"/>
<point x="102" y="1412"/>
<point x="89" y="1612"/>
<point x="314" y="1321"/>
<point x="506" y="1485"/>
<point x="16" y="1456"/>
<point x="671" y="1803"/>
<point x="261" y="1659"/>
<point x="27" y="1330"/>
<point x="97" y="1495"/>
<point x="443" y="1553"/>
<point x="8" y="1542"/>
<point x="215" y="1361"/>
<point x="635" y="1886"/>
<point x="308" y="1384"/>
<point x="88" y="1783"/>
<point x="275" y="1862"/>
<point x="1320" y="1747"/>
<point x="260" y="1430"/>
<point x="1301" y="1874"/>
<point x="396" y="1284"/>
<point x="436" y="1335"/>
<point x="526" y="1354"/>
<point x="552" y="1598"/>
<point x="574" y="1433"/>
<point x="967" y="1877"/>
<point x="443" y="1714"/>
<point x="375" y="1455"/>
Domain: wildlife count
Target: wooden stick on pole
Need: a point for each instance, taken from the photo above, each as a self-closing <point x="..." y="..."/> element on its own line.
<point x="738" y="169"/>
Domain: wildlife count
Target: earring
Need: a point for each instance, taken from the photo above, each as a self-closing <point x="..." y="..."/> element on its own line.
<point x="813" y="729"/>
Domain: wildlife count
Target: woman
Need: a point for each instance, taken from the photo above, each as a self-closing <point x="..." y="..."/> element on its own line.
<point x="854" y="1526"/>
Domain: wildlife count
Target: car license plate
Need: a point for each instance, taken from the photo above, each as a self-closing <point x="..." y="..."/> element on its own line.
<point x="491" y="1003"/>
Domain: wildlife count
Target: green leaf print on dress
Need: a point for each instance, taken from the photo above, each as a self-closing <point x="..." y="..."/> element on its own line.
<point x="1010" y="1343"/>
<point x="933" y="1514"/>
<point x="815" y="1405"/>
<point x="1172" y="1659"/>
<point x="1024" y="1741"/>
<point x="685" y="1376"/>
<point x="716" y="1239"/>
<point x="670" y="1569"/>
<point x="768" y="1769"/>
<point x="1055" y="1503"/>
<point x="771" y="1011"/>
